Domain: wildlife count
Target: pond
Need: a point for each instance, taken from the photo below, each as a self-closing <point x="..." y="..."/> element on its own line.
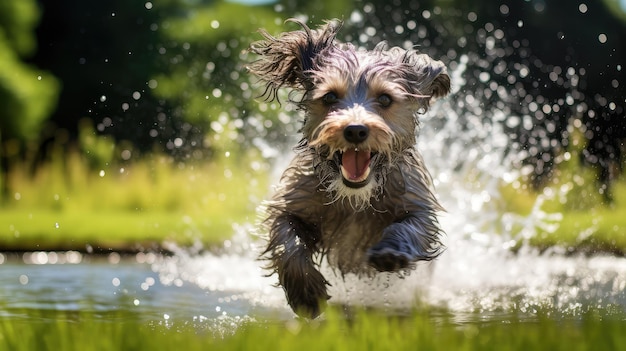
<point x="476" y="280"/>
<point x="220" y="291"/>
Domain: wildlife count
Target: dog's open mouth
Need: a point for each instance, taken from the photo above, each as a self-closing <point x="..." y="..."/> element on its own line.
<point x="355" y="167"/>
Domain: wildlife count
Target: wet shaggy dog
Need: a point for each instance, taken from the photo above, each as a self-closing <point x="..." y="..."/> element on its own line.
<point x="357" y="192"/>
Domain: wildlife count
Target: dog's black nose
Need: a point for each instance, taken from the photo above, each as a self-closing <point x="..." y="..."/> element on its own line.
<point x="356" y="133"/>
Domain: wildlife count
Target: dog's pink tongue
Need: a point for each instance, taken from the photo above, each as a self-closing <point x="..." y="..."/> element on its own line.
<point x="355" y="163"/>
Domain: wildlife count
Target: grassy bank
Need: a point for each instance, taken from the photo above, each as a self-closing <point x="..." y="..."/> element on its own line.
<point x="581" y="214"/>
<point x="366" y="331"/>
<point x="67" y="204"/>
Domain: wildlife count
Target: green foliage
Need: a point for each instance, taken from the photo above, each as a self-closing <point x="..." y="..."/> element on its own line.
<point x="589" y="221"/>
<point x="98" y="149"/>
<point x="577" y="186"/>
<point x="67" y="203"/>
<point x="18" y="19"/>
<point x="27" y="95"/>
<point x="146" y="73"/>
<point x="206" y="76"/>
<point x="597" y="231"/>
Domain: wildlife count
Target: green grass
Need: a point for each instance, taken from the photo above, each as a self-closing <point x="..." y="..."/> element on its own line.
<point x="67" y="204"/>
<point x="589" y="221"/>
<point x="85" y="199"/>
<point x="365" y="331"/>
<point x="42" y="229"/>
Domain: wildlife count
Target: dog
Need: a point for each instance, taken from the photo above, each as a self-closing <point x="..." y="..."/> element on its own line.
<point x="357" y="191"/>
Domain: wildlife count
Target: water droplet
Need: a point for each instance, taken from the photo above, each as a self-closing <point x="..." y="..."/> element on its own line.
<point x="484" y="76"/>
<point x="102" y="173"/>
<point x="148" y="5"/>
<point x="356" y="17"/>
<point x="228" y="173"/>
<point x="56" y="225"/>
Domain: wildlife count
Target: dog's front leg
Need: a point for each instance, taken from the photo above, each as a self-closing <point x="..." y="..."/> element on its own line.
<point x="416" y="237"/>
<point x="290" y="250"/>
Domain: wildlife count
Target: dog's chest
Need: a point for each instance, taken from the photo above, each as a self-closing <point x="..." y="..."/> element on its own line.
<point x="346" y="235"/>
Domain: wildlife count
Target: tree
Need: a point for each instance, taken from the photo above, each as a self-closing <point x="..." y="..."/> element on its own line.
<point x="27" y="94"/>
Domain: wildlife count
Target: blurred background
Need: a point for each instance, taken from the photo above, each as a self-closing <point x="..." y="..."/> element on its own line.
<point x="124" y="124"/>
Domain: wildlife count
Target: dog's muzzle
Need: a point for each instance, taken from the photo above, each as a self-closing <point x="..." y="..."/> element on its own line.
<point x="355" y="162"/>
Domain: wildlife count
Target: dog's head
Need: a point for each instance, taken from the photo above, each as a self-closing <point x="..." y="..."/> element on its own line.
<point x="361" y="106"/>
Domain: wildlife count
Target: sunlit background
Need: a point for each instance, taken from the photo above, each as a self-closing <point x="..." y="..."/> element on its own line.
<point x="131" y="131"/>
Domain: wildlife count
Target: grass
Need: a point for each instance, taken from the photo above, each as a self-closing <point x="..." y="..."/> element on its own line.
<point x="591" y="216"/>
<point x="68" y="204"/>
<point x="88" y="199"/>
<point x="364" y="331"/>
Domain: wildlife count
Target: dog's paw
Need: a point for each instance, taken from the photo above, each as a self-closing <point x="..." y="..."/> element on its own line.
<point x="310" y="309"/>
<point x="387" y="259"/>
<point x="306" y="293"/>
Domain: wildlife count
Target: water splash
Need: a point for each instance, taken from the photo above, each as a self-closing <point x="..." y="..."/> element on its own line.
<point x="234" y="279"/>
<point x="469" y="157"/>
<point x="480" y="272"/>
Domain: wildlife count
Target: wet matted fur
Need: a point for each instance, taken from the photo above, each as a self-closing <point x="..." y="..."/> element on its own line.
<point x="357" y="192"/>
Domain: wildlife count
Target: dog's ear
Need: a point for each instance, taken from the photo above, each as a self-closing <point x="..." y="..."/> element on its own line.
<point x="287" y="60"/>
<point x="429" y="77"/>
<point x="440" y="86"/>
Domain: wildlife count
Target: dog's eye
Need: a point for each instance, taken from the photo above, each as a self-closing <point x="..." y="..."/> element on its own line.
<point x="330" y="98"/>
<point x="384" y="100"/>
